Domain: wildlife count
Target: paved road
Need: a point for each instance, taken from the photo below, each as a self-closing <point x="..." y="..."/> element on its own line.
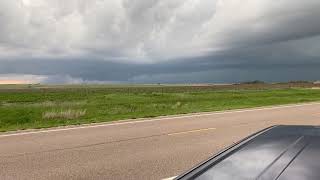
<point x="151" y="149"/>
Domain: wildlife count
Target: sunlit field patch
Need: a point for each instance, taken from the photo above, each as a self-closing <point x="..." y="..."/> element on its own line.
<point x="47" y="104"/>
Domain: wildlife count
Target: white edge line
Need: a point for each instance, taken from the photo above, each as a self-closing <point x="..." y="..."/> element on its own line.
<point x="160" y="119"/>
<point x="170" y="178"/>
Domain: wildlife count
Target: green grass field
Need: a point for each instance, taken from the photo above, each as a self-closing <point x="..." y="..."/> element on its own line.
<point x="25" y="107"/>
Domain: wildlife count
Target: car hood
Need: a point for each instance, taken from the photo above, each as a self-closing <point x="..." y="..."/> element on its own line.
<point x="279" y="152"/>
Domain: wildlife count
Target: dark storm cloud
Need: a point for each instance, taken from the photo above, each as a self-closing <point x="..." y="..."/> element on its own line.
<point x="276" y="62"/>
<point x="78" y="41"/>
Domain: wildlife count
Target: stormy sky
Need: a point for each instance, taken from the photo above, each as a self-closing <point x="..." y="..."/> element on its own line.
<point x="159" y="41"/>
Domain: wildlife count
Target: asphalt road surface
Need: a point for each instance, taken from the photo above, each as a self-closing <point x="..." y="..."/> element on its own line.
<point x="150" y="149"/>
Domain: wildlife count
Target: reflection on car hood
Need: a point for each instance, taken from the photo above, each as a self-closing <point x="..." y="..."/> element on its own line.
<point x="280" y="152"/>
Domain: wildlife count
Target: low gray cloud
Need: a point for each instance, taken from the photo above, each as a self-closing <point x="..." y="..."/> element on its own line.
<point x="78" y="41"/>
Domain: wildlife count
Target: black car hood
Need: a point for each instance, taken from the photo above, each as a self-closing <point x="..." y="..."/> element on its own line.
<point x="280" y="152"/>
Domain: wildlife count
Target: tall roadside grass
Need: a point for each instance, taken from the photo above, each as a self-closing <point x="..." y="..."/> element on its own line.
<point x="64" y="114"/>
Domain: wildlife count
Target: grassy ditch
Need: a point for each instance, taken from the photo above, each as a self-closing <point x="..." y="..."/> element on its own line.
<point x="24" y="109"/>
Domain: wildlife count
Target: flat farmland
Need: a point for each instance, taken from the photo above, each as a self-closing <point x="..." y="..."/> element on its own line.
<point x="40" y="106"/>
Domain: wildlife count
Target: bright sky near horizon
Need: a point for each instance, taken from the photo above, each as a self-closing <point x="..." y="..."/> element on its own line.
<point x="151" y="41"/>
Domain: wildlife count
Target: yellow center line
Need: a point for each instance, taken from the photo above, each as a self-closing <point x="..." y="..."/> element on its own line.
<point x="191" y="131"/>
